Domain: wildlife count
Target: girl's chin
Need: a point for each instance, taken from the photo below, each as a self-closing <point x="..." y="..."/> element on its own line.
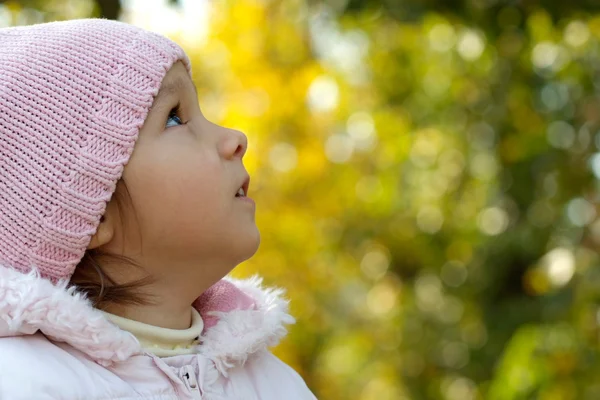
<point x="251" y="244"/>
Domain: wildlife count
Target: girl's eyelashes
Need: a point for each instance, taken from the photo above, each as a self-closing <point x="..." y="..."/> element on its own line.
<point x="174" y="115"/>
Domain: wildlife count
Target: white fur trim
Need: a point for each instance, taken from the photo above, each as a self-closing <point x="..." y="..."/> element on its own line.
<point x="29" y="303"/>
<point x="240" y="333"/>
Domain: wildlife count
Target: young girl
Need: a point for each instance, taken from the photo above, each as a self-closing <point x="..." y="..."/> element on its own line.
<point x="121" y="211"/>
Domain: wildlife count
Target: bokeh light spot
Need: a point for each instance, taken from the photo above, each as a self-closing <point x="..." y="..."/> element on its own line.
<point x="283" y="157"/>
<point x="493" y="221"/>
<point x="471" y="45"/>
<point x="430" y="219"/>
<point x="559" y="265"/>
<point x="339" y="148"/>
<point x="580" y="212"/>
<point x="323" y="94"/>
<point x="381" y="299"/>
<point x="442" y="37"/>
<point x="454" y="273"/>
<point x="576" y="34"/>
<point x="561" y="134"/>
<point x="375" y="263"/>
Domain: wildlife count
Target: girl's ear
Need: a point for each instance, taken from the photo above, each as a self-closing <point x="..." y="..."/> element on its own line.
<point x="105" y="232"/>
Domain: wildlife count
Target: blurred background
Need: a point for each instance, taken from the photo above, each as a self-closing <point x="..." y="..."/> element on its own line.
<point x="426" y="175"/>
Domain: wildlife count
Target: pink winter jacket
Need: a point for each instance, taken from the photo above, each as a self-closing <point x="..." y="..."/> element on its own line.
<point x="55" y="345"/>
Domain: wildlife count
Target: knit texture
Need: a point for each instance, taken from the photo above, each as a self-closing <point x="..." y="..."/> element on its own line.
<point x="73" y="97"/>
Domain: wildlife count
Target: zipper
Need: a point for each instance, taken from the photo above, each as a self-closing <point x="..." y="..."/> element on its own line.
<point x="188" y="375"/>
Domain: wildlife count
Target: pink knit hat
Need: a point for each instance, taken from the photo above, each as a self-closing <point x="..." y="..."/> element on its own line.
<point x="73" y="97"/>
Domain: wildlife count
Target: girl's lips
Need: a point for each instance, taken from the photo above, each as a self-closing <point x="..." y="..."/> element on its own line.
<point x="246" y="199"/>
<point x="245" y="185"/>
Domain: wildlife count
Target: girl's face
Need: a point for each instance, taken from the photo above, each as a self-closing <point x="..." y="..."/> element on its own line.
<point x="185" y="224"/>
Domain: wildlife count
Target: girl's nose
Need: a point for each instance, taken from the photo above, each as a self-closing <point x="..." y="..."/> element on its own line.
<point x="236" y="144"/>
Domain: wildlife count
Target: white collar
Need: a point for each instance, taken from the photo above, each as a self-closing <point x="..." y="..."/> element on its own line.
<point x="163" y="342"/>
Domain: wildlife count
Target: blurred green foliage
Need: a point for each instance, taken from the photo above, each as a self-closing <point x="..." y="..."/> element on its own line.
<point x="426" y="175"/>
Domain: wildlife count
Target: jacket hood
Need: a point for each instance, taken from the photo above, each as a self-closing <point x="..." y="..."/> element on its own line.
<point x="240" y="318"/>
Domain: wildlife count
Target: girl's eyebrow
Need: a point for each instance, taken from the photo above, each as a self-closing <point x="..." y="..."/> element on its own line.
<point x="174" y="86"/>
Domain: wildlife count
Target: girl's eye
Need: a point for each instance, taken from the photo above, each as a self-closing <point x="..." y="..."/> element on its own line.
<point x="174" y="115"/>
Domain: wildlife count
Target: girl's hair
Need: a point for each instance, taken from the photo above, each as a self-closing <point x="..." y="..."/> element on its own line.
<point x="91" y="279"/>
